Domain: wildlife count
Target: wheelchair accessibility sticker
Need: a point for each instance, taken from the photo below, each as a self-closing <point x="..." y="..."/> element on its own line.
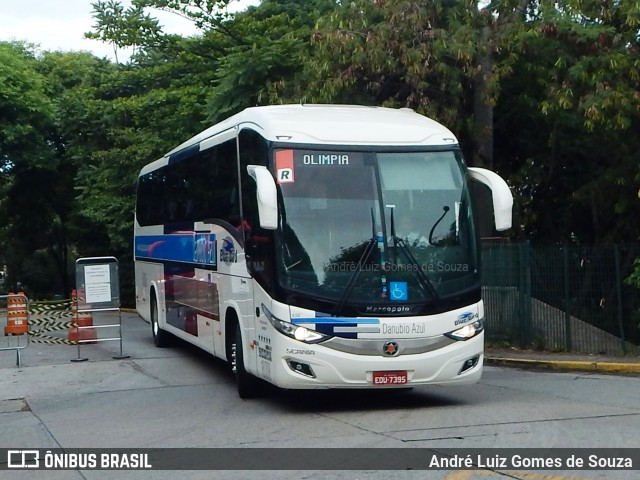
<point x="399" y="291"/>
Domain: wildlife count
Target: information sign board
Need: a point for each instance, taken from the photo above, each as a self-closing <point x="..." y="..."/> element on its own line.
<point x="97" y="283"/>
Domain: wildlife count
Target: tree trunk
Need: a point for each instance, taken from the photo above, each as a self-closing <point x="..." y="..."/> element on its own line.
<point x="482" y="105"/>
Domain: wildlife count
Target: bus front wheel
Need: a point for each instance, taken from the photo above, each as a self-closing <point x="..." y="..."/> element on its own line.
<point x="248" y="386"/>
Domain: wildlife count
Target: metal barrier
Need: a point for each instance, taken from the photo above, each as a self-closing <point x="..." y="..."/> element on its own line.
<point x="17" y="318"/>
<point x="96" y="339"/>
<point x="569" y="298"/>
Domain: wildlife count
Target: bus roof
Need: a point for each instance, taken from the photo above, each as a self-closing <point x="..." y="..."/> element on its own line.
<point x="334" y="125"/>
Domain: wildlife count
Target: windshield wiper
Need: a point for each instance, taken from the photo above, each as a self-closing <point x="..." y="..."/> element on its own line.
<point x="366" y="253"/>
<point x="422" y="277"/>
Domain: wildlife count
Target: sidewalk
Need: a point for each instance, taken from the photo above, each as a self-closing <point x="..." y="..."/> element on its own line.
<point x="532" y="359"/>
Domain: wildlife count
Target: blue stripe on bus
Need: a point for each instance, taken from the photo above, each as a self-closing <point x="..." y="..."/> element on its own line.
<point x="188" y="247"/>
<point x="328" y="325"/>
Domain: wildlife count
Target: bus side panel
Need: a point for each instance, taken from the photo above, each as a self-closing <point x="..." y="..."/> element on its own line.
<point x="263" y="335"/>
<point x="195" y="306"/>
<point x="236" y="294"/>
<point x="148" y="275"/>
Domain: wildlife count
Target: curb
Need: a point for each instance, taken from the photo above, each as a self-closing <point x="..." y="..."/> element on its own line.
<point x="566" y="365"/>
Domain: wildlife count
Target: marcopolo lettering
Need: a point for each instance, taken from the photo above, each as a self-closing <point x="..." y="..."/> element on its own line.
<point x="389" y="309"/>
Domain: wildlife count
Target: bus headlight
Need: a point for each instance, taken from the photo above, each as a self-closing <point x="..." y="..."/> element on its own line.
<point x="467" y="332"/>
<point x="297" y="332"/>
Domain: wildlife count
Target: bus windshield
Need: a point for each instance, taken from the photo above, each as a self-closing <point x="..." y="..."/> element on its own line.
<point x="375" y="227"/>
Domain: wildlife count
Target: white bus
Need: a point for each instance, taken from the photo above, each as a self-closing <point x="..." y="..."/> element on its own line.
<point x="317" y="246"/>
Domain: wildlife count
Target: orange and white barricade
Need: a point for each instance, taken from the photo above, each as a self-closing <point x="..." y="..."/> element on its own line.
<point x="17" y="314"/>
<point x="82" y="331"/>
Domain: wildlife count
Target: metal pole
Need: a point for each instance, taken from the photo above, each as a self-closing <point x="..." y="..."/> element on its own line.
<point x="623" y="343"/>
<point x="121" y="356"/>
<point x="79" y="359"/>
<point x="525" y="293"/>
<point x="567" y="316"/>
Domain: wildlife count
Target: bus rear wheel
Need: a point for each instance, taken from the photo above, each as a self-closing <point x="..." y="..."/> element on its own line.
<point x="248" y="385"/>
<point x="161" y="338"/>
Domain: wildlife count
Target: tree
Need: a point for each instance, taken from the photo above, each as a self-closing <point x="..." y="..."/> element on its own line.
<point x="121" y="119"/>
<point x="545" y="75"/>
<point x="434" y="57"/>
<point x="566" y="121"/>
<point x="26" y="117"/>
<point x="267" y="66"/>
<point x="121" y="27"/>
<point x="25" y="109"/>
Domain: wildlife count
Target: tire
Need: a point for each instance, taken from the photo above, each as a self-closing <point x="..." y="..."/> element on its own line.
<point x="248" y="385"/>
<point x="161" y="338"/>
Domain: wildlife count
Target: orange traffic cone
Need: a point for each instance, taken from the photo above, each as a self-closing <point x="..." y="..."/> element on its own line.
<point x="82" y="319"/>
<point x="17" y="314"/>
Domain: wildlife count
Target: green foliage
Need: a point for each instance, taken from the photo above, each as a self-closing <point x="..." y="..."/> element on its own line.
<point x="28" y="206"/>
<point x="634" y="278"/>
<point x="121" y="27"/>
<point x="25" y="109"/>
<point x="266" y="67"/>
<point x="209" y="15"/>
<point x="594" y="61"/>
<point x="397" y="53"/>
<point x="565" y="126"/>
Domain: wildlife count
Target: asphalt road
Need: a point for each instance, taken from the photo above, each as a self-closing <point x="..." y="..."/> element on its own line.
<point x="181" y="397"/>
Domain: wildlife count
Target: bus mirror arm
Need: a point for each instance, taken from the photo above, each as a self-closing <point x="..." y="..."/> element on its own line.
<point x="502" y="197"/>
<point x="267" y="196"/>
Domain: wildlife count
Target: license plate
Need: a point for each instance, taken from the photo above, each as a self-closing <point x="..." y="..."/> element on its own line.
<point x="390" y="378"/>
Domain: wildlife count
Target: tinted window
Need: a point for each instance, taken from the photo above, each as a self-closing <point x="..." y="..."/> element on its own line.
<point x="259" y="242"/>
<point x="200" y="186"/>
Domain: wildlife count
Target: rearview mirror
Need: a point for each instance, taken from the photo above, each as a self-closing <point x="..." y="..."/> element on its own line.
<point x="502" y="197"/>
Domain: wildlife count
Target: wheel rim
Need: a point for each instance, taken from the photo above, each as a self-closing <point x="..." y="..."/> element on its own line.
<point x="154" y="319"/>
<point x="233" y="357"/>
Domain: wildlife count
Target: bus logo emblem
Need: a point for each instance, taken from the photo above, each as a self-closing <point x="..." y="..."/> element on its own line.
<point x="390" y="349"/>
<point x="228" y="253"/>
<point x="465" y="317"/>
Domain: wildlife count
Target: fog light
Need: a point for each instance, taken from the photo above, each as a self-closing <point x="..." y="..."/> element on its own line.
<point x="469" y="364"/>
<point x="301" y="368"/>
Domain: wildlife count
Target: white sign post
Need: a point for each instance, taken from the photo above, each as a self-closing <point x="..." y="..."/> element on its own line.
<point x="98" y="287"/>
